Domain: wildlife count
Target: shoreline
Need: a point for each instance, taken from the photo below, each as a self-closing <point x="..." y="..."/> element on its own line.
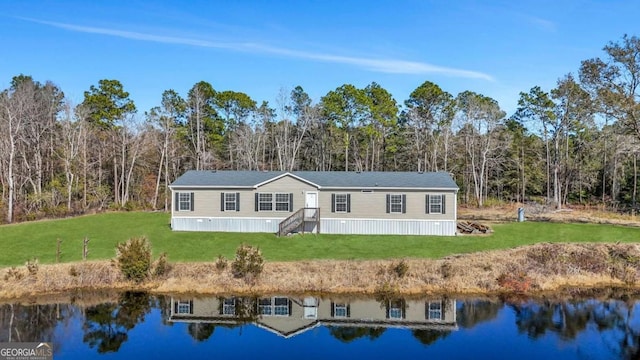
<point x="531" y="271"/>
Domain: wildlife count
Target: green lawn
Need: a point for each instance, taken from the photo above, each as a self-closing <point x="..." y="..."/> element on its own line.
<point x="38" y="239"/>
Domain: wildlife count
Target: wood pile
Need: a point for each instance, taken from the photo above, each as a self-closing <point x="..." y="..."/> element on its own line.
<point x="470" y="227"/>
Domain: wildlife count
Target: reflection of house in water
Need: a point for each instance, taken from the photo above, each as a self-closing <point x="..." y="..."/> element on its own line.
<point x="289" y="316"/>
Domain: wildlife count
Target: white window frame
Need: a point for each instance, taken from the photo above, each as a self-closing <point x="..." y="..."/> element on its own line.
<point x="184" y="198"/>
<point x="229" y="307"/>
<point x="230" y="201"/>
<point x="340" y="310"/>
<point x="278" y="308"/>
<point x="280" y="202"/>
<point x="184" y="307"/>
<point x="434" y="310"/>
<point x="340" y="202"/>
<point x="264" y="307"/>
<point x="435" y="201"/>
<point x="271" y="306"/>
<point x="398" y="202"/>
<point x="396" y="312"/>
<point x="264" y="201"/>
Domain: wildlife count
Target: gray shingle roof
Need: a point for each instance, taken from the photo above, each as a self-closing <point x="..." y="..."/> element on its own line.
<point x="326" y="179"/>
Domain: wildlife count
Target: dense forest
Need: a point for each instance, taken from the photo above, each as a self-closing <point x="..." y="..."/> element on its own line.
<point x="577" y="143"/>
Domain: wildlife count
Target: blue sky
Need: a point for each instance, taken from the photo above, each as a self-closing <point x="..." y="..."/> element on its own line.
<point x="496" y="48"/>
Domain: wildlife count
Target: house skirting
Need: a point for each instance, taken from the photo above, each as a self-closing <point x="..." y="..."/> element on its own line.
<point x="388" y="227"/>
<point x="327" y="225"/>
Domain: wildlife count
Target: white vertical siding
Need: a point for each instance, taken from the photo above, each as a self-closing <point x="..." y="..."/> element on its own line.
<point x="388" y="227"/>
<point x="327" y="226"/>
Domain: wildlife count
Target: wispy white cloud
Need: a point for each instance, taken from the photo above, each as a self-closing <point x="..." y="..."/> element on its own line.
<point x="394" y="66"/>
<point x="541" y="23"/>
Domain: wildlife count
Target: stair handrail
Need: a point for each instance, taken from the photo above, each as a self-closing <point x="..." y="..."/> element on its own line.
<point x="292" y="219"/>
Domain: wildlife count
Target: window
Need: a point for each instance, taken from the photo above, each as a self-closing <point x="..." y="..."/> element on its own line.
<point x="435" y="204"/>
<point x="183" y="307"/>
<point x="434" y="310"/>
<point x="264" y="306"/>
<point x="282" y="202"/>
<point x="229" y="306"/>
<point x="395" y="309"/>
<point x="265" y="202"/>
<point x="341" y="203"/>
<point x="185" y="201"/>
<point x="281" y="306"/>
<point x="274" y="306"/>
<point x="274" y="201"/>
<point x="340" y="310"/>
<point x="230" y="201"/>
<point x="395" y="204"/>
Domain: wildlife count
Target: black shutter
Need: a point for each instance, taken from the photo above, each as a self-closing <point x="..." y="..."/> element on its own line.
<point x="333" y="209"/>
<point x="443" y="202"/>
<point x="290" y="202"/>
<point x="190" y="306"/>
<point x="290" y="306"/>
<point x="256" y="202"/>
<point x="221" y="201"/>
<point x="192" y="202"/>
<point x="175" y="306"/>
<point x="404" y="203"/>
<point x="388" y="305"/>
<point x="333" y="311"/>
<point x="237" y="201"/>
<point x="177" y="201"/>
<point x="427" y="209"/>
<point x="220" y="306"/>
<point x="348" y="310"/>
<point x="388" y="203"/>
<point x="348" y="203"/>
<point x="404" y="309"/>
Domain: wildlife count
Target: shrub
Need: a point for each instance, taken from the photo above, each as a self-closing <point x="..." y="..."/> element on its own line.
<point x="386" y="291"/>
<point x="517" y="282"/>
<point x="446" y="270"/>
<point x="400" y="269"/>
<point x="73" y="271"/>
<point x="248" y="262"/>
<point x="32" y="266"/>
<point x="13" y="274"/>
<point x="134" y="258"/>
<point x="161" y="266"/>
<point x="221" y="263"/>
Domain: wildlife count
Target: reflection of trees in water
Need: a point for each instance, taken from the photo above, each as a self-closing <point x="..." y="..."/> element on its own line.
<point x="347" y="334"/>
<point x="568" y="320"/>
<point x="200" y="331"/>
<point x="33" y="323"/>
<point x="164" y="305"/>
<point x="473" y="312"/>
<point x="428" y="337"/>
<point x="106" y="325"/>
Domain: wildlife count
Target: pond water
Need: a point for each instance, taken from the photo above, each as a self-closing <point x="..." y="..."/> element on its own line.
<point x="136" y="325"/>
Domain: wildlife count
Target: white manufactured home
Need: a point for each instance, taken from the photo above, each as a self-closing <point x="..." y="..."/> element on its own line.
<point x="290" y="316"/>
<point x="331" y="202"/>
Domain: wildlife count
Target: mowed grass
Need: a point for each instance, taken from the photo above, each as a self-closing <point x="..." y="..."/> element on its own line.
<point x="20" y="242"/>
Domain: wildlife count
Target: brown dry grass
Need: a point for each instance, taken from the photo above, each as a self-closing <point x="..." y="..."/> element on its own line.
<point x="532" y="270"/>
<point x="569" y="214"/>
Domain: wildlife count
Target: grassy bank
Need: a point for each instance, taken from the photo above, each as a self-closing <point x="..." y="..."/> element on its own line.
<point x="38" y="239"/>
<point x="523" y="270"/>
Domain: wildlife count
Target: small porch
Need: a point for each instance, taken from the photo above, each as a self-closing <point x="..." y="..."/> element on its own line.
<point x="306" y="219"/>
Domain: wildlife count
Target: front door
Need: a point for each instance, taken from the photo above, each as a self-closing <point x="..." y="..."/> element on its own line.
<point x="311" y="199"/>
<point x="310" y="213"/>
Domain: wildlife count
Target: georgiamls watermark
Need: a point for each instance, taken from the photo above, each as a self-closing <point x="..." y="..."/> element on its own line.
<point x="26" y="351"/>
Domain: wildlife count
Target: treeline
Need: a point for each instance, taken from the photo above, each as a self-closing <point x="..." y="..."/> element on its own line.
<point x="576" y="143"/>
